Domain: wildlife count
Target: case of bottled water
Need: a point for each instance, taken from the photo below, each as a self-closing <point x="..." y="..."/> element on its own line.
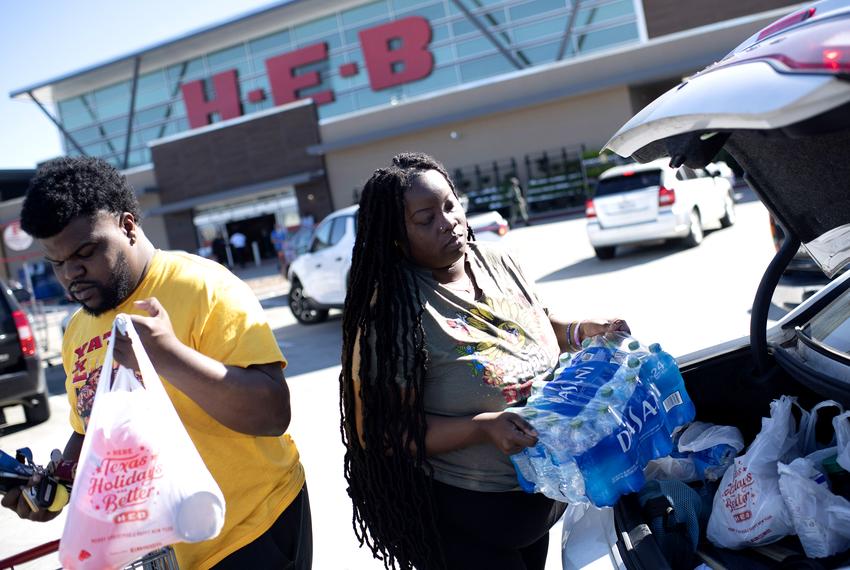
<point x="609" y="409"/>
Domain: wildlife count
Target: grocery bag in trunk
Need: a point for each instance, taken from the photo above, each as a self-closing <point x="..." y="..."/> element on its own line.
<point x="819" y="516"/>
<point x="748" y="509"/>
<point x="140" y="482"/>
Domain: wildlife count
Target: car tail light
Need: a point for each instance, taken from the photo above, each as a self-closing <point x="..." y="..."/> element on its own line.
<point x="589" y="208"/>
<point x="816" y="48"/>
<point x="787" y="22"/>
<point x="666" y="196"/>
<point x="503" y="229"/>
<point x="776" y="233"/>
<point x="24" y="333"/>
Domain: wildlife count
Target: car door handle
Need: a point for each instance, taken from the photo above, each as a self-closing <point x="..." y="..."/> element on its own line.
<point x="318" y="265"/>
<point x="338" y="259"/>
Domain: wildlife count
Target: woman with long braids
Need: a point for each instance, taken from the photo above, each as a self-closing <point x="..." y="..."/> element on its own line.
<point x="441" y="337"/>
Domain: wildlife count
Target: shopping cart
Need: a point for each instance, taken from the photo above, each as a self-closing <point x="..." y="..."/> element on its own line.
<point x="162" y="559"/>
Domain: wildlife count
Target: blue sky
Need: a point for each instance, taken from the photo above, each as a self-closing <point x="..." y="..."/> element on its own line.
<point x="43" y="39"/>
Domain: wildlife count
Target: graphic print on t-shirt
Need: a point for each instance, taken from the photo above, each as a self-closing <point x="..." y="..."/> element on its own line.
<point x="88" y="361"/>
<point x="508" y="359"/>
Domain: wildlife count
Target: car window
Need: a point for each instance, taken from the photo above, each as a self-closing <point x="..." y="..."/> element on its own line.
<point x="831" y="327"/>
<point x="628" y="182"/>
<point x="322" y="237"/>
<point x="685" y="173"/>
<point x="7" y="322"/>
<point x="338" y="230"/>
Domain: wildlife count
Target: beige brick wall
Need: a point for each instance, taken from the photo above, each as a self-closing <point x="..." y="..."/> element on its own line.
<point x="589" y="119"/>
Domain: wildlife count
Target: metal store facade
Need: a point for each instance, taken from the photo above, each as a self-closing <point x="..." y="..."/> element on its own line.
<point x="283" y="112"/>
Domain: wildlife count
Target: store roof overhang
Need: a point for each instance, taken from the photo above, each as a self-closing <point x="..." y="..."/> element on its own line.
<point x="233" y="194"/>
<point x="674" y="55"/>
<point x="223" y="34"/>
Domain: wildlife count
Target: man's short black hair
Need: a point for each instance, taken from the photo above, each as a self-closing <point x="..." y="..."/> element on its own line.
<point x="65" y="188"/>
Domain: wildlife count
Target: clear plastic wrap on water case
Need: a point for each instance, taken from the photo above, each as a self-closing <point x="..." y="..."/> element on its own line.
<point x="609" y="410"/>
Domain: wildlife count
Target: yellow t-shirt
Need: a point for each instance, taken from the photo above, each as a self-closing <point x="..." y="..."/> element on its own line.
<point x="218" y="315"/>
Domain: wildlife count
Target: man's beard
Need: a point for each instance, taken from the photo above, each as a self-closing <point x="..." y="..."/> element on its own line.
<point x="115" y="291"/>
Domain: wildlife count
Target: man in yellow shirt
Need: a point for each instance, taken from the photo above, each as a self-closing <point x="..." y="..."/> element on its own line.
<point x="208" y="338"/>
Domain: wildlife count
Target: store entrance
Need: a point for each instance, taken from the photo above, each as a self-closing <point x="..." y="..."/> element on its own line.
<point x="259" y="230"/>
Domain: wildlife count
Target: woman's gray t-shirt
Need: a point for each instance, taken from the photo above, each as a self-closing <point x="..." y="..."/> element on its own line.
<point x="483" y="356"/>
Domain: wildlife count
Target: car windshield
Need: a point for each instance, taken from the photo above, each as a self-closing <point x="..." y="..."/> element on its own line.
<point x="628" y="182"/>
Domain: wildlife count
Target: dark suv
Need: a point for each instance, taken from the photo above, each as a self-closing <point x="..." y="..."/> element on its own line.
<point x="21" y="375"/>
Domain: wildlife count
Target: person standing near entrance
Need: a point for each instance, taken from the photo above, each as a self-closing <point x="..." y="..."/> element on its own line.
<point x="279" y="236"/>
<point x="208" y="338"/>
<point x="518" y="203"/>
<point x="219" y="249"/>
<point x="238" y="241"/>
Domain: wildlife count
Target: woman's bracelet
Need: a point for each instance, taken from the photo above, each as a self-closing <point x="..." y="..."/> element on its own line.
<point x="574" y="335"/>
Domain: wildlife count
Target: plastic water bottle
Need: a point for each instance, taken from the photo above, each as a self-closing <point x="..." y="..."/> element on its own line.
<point x="526" y="473"/>
<point x="610" y="471"/>
<point x="538" y="471"/>
<point x="563" y="363"/>
<point x="575" y="387"/>
<point x="661" y="369"/>
<point x="571" y="484"/>
<point x="611" y="465"/>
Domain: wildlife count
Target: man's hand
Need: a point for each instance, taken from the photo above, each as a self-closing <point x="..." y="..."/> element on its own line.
<point x="506" y="430"/>
<point x="14" y="500"/>
<point x="155" y="332"/>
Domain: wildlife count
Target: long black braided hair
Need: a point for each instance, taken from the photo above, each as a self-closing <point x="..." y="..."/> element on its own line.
<point x="386" y="467"/>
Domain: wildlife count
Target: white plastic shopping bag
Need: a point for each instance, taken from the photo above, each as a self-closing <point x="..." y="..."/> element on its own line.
<point x="703" y="451"/>
<point x="140" y="483"/>
<point x="748" y="509"/>
<point x="819" y="516"/>
<point x="808" y="424"/>
<point x="841" y="424"/>
<point x="589" y="538"/>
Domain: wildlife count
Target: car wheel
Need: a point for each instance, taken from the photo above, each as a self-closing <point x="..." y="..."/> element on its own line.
<point x="39" y="411"/>
<point x="729" y="215"/>
<point x="301" y="308"/>
<point x="694" y="237"/>
<point x="605" y="252"/>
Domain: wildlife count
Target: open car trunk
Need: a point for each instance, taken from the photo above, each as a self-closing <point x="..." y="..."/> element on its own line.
<point x="726" y="391"/>
<point x="802" y="174"/>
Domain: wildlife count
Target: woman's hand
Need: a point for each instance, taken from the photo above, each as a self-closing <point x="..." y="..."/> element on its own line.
<point x="506" y="430"/>
<point x="599" y="327"/>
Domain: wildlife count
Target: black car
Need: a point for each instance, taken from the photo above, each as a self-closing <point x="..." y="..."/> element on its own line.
<point x="22" y="380"/>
